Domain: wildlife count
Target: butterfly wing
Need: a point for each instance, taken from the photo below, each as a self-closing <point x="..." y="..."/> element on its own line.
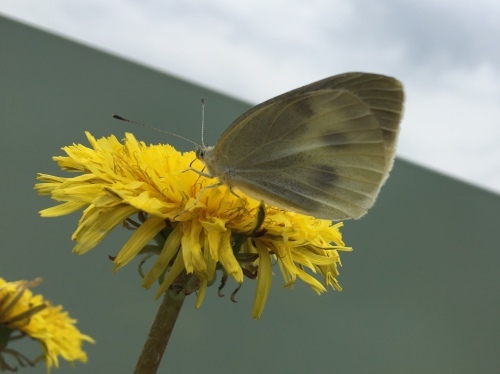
<point x="324" y="149"/>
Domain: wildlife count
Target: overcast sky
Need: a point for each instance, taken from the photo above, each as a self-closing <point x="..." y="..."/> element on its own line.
<point x="447" y="54"/>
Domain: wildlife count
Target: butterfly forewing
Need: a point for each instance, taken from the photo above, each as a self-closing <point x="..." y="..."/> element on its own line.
<point x="324" y="149"/>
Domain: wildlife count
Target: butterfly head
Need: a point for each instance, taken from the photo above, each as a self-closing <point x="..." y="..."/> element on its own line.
<point x="206" y="155"/>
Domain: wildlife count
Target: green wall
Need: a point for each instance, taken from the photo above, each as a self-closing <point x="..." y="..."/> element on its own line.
<point x="420" y="289"/>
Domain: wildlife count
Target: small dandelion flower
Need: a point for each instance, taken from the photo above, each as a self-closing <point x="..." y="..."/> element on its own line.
<point x="24" y="314"/>
<point x="197" y="230"/>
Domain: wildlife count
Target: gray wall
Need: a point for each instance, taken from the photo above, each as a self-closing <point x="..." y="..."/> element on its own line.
<point x="420" y="290"/>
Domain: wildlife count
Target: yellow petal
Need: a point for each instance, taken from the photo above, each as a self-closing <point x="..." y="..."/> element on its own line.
<point x="142" y="236"/>
<point x="264" y="279"/>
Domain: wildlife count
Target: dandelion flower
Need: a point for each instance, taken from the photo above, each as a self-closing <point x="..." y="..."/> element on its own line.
<point x="25" y="314"/>
<point x="197" y="230"/>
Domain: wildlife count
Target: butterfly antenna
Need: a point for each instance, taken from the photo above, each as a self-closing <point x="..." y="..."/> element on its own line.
<point x="202" y="120"/>
<point x="116" y="116"/>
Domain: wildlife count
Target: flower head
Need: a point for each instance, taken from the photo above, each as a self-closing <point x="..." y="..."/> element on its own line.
<point x="199" y="226"/>
<point x="25" y="314"/>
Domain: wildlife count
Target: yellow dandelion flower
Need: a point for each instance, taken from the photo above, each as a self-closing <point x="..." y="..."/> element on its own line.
<point x="25" y="314"/>
<point x="197" y="230"/>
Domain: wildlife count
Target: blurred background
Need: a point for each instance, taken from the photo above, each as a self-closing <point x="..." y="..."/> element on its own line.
<point x="421" y="286"/>
<point x="446" y="53"/>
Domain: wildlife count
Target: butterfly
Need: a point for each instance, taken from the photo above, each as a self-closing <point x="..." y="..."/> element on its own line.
<point x="324" y="149"/>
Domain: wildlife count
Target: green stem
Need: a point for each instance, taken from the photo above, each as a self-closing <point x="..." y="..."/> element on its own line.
<point x="159" y="335"/>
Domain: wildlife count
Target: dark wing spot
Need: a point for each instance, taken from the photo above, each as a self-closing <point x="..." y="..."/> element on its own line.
<point x="322" y="175"/>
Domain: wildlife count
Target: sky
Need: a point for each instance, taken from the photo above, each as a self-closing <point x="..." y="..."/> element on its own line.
<point x="446" y="54"/>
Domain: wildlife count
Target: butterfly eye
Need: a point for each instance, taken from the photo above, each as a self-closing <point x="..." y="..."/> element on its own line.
<point x="200" y="153"/>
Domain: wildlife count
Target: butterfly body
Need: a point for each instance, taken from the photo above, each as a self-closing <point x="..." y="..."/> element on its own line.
<point x="324" y="149"/>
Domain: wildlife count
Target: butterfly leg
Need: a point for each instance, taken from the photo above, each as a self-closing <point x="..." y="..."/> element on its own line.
<point x="198" y="197"/>
<point x="206" y="175"/>
<point x="234" y="193"/>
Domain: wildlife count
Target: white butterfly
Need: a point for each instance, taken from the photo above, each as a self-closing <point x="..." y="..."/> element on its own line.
<point x="324" y="149"/>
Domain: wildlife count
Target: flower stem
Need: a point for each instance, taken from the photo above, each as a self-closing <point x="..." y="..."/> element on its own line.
<point x="159" y="335"/>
